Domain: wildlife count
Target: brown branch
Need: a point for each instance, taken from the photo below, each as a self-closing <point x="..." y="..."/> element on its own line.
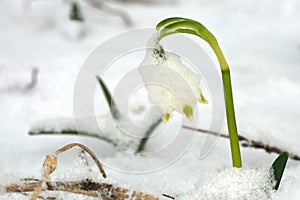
<point x="85" y="149"/>
<point x="50" y="165"/>
<point x="245" y="142"/>
<point x="85" y="187"/>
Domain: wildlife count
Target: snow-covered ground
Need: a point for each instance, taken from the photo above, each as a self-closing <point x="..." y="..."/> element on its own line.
<point x="260" y="40"/>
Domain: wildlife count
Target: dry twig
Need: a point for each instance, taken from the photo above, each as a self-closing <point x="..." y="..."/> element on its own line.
<point x="245" y="142"/>
<point x="168" y="196"/>
<point x="86" y="187"/>
<point x="50" y="165"/>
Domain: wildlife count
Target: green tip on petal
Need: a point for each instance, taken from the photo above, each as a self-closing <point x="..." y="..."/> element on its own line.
<point x="188" y="111"/>
<point x="166" y="117"/>
<point x="203" y="99"/>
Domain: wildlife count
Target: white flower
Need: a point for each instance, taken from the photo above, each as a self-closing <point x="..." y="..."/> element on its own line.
<point x="170" y="83"/>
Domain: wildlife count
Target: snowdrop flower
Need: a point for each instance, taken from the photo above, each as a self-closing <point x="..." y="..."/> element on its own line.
<point x="175" y="87"/>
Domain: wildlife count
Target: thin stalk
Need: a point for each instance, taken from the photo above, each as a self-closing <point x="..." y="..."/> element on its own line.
<point x="182" y="25"/>
<point x="230" y="113"/>
<point x="231" y="122"/>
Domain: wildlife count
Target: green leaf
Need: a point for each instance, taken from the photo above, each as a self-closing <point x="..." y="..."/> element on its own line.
<point x="112" y="105"/>
<point x="76" y="133"/>
<point x="278" y="167"/>
<point x="148" y="133"/>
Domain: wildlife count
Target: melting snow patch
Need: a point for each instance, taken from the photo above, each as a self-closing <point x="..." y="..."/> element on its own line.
<point x="234" y="184"/>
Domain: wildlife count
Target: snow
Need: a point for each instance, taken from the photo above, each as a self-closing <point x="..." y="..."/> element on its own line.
<point x="260" y="40"/>
<point x="74" y="30"/>
<point x="7" y="179"/>
<point x="234" y="183"/>
<point x="108" y="129"/>
<point x="54" y="125"/>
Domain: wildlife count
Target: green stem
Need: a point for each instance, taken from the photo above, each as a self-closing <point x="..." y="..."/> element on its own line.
<point x="183" y="25"/>
<point x="231" y="122"/>
<point x="230" y="114"/>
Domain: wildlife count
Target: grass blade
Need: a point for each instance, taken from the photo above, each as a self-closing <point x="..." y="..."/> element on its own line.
<point x="112" y="105"/>
<point x="75" y="132"/>
<point x="148" y="133"/>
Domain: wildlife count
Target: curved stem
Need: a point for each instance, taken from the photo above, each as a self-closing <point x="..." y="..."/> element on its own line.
<point x="230" y="113"/>
<point x="182" y="25"/>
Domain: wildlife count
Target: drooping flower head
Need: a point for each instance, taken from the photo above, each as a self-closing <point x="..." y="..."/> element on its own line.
<point x="175" y="87"/>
